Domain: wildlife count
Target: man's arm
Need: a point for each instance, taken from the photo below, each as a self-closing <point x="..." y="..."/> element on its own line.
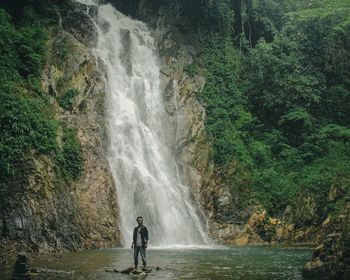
<point x="133" y="239"/>
<point x="146" y="237"/>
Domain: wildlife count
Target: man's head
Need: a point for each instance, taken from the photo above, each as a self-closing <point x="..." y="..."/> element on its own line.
<point x="139" y="220"/>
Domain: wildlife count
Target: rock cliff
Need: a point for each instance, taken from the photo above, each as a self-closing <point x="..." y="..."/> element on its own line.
<point x="187" y="135"/>
<point x="52" y="214"/>
<point x="228" y="222"/>
<point x="331" y="260"/>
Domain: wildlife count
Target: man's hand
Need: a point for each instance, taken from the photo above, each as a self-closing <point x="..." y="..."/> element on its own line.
<point x="132" y="246"/>
<point x="146" y="244"/>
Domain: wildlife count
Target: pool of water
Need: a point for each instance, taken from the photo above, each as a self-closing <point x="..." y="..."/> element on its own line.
<point x="248" y="263"/>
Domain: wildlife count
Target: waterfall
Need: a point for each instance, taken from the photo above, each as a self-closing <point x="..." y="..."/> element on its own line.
<point x="143" y="165"/>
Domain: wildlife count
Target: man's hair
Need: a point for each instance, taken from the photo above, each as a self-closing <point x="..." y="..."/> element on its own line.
<point x="139" y="217"/>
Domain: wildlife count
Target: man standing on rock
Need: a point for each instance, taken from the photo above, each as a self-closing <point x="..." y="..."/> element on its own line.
<point x="140" y="242"/>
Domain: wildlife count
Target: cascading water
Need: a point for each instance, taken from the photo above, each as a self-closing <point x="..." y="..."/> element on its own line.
<point x="144" y="169"/>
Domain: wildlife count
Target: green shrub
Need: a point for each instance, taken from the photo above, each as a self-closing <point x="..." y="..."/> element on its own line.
<point x="69" y="159"/>
<point x="192" y="69"/>
<point x="67" y="99"/>
<point x="279" y="108"/>
<point x="27" y="125"/>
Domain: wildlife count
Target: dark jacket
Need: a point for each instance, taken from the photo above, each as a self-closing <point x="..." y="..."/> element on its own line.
<point x="144" y="235"/>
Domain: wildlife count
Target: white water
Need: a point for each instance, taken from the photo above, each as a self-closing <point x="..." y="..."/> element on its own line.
<point x="88" y="2"/>
<point x="144" y="169"/>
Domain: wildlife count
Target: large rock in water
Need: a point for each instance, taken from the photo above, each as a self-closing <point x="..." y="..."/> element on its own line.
<point x="331" y="260"/>
<point x="21" y="268"/>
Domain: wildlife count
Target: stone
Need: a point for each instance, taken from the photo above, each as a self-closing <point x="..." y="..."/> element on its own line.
<point x="318" y="251"/>
<point x="326" y="221"/>
<point x="21" y="269"/>
<point x="132" y="270"/>
<point x="274" y="221"/>
<point x="127" y="270"/>
<point x="225" y="199"/>
<point x="168" y="43"/>
<point x="186" y="134"/>
<point x="50" y="214"/>
<point x="79" y="23"/>
<point x="305" y="211"/>
<point x="330" y="260"/>
<point x="112" y="270"/>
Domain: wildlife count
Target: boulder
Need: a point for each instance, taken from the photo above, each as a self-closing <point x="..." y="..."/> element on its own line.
<point x="21" y="269"/>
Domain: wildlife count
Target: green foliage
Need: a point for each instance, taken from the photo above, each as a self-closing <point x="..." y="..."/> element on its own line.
<point x="227" y="119"/>
<point x="26" y="128"/>
<point x="192" y="69"/>
<point x="326" y="175"/>
<point x="31" y="47"/>
<point x="62" y="47"/>
<point x="203" y="15"/>
<point x="9" y="59"/>
<point x="279" y="109"/>
<point x="69" y="159"/>
<point x="67" y="99"/>
<point x="27" y="125"/>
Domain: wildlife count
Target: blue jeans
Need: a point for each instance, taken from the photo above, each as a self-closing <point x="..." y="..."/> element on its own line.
<point x="142" y="251"/>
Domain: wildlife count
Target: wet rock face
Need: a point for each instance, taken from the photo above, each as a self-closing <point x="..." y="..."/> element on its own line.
<point x="327" y="261"/>
<point x="77" y="21"/>
<point x="93" y="207"/>
<point x="187" y="134"/>
<point x="305" y="213"/>
<point x="331" y="260"/>
<point x="52" y="215"/>
<point x="186" y="131"/>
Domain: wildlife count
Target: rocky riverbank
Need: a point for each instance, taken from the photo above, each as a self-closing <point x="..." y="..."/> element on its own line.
<point x="331" y="260"/>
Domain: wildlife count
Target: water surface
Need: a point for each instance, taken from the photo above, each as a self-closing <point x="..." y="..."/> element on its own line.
<point x="248" y="263"/>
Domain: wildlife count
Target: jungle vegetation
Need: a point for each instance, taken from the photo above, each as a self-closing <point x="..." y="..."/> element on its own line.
<point x="28" y="127"/>
<point x="277" y="97"/>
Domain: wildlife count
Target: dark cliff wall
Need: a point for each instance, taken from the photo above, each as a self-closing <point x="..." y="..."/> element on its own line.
<point x="331" y="260"/>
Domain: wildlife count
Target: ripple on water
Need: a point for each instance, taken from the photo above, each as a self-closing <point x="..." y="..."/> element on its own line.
<point x="249" y="263"/>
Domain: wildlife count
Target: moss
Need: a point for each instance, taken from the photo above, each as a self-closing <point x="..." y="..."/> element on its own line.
<point x="27" y="124"/>
<point x="67" y="99"/>
<point x="192" y="69"/>
<point x="69" y="160"/>
<point x="28" y="127"/>
<point x="62" y="47"/>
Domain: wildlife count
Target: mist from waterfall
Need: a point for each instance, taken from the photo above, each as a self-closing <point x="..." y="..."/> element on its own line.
<point x="144" y="168"/>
